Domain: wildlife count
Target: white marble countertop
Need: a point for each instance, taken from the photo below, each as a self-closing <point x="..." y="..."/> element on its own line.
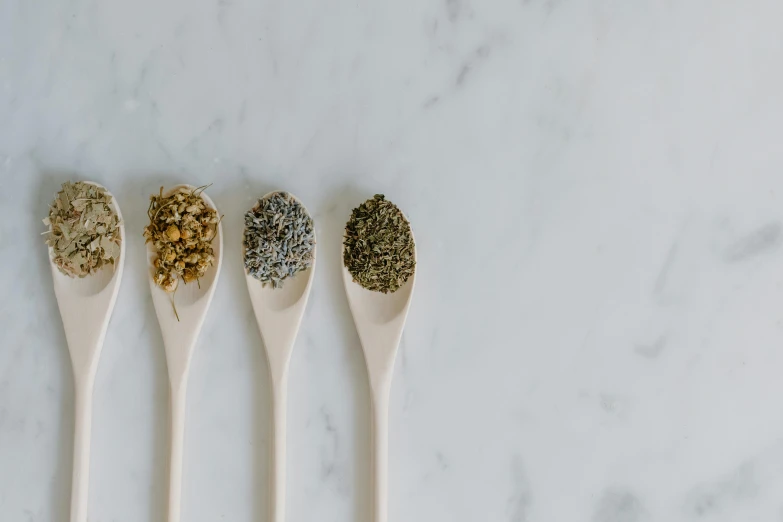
<point x="596" y="190"/>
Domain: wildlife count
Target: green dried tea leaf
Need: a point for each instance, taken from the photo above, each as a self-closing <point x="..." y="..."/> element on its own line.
<point x="75" y="237"/>
<point x="378" y="246"/>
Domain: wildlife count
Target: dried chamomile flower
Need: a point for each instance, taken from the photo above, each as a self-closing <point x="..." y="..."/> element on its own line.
<point x="84" y="232"/>
<point x="181" y="229"/>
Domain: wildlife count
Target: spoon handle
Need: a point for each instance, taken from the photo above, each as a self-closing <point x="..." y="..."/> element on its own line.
<point x="81" y="451"/>
<point x="178" y="396"/>
<point x="277" y="488"/>
<point x="380" y="449"/>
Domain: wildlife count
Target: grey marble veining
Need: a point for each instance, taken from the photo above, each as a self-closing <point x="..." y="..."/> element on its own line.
<point x="595" y="189"/>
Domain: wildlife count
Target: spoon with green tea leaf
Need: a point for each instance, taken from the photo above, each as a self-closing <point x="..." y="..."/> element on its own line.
<point x="379" y="252"/>
<point x="87" y="256"/>
<point x="184" y="255"/>
<point x="279" y="258"/>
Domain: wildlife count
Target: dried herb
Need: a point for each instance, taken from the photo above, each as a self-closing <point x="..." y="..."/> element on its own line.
<point x="378" y="246"/>
<point x="84" y="232"/>
<point x="181" y="228"/>
<point x="279" y="239"/>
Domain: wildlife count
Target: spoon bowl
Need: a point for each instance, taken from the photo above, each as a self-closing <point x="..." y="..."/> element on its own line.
<point x="86" y="305"/>
<point x="270" y="304"/>
<point x="94" y="283"/>
<point x="279" y="313"/>
<point x="180" y="332"/>
<point x="380" y="320"/>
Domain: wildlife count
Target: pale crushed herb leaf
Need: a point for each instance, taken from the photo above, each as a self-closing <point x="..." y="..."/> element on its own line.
<point x="84" y="233"/>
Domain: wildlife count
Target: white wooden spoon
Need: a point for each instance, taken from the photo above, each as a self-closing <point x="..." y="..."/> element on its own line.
<point x="86" y="305"/>
<point x="380" y="319"/>
<point x="179" y="338"/>
<point x="279" y="313"/>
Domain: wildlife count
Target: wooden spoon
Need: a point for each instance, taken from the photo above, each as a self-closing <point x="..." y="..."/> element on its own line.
<point x="279" y="313"/>
<point x="85" y="306"/>
<point x="179" y="338"/>
<point x="380" y="319"/>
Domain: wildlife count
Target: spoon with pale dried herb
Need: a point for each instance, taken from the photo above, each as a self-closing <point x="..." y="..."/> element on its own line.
<point x="184" y="255"/>
<point x="87" y="255"/>
<point x="379" y="272"/>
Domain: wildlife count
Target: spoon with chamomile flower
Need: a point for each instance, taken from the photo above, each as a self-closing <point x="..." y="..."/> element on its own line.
<point x="279" y="258"/>
<point x="184" y="254"/>
<point x="379" y="272"/>
<point x="87" y="256"/>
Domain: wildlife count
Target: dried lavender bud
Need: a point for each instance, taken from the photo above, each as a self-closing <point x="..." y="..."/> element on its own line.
<point x="378" y="248"/>
<point x="279" y="239"/>
<point x="84" y="232"/>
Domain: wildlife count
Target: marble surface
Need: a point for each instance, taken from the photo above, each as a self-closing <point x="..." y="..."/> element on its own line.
<point x="596" y="190"/>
